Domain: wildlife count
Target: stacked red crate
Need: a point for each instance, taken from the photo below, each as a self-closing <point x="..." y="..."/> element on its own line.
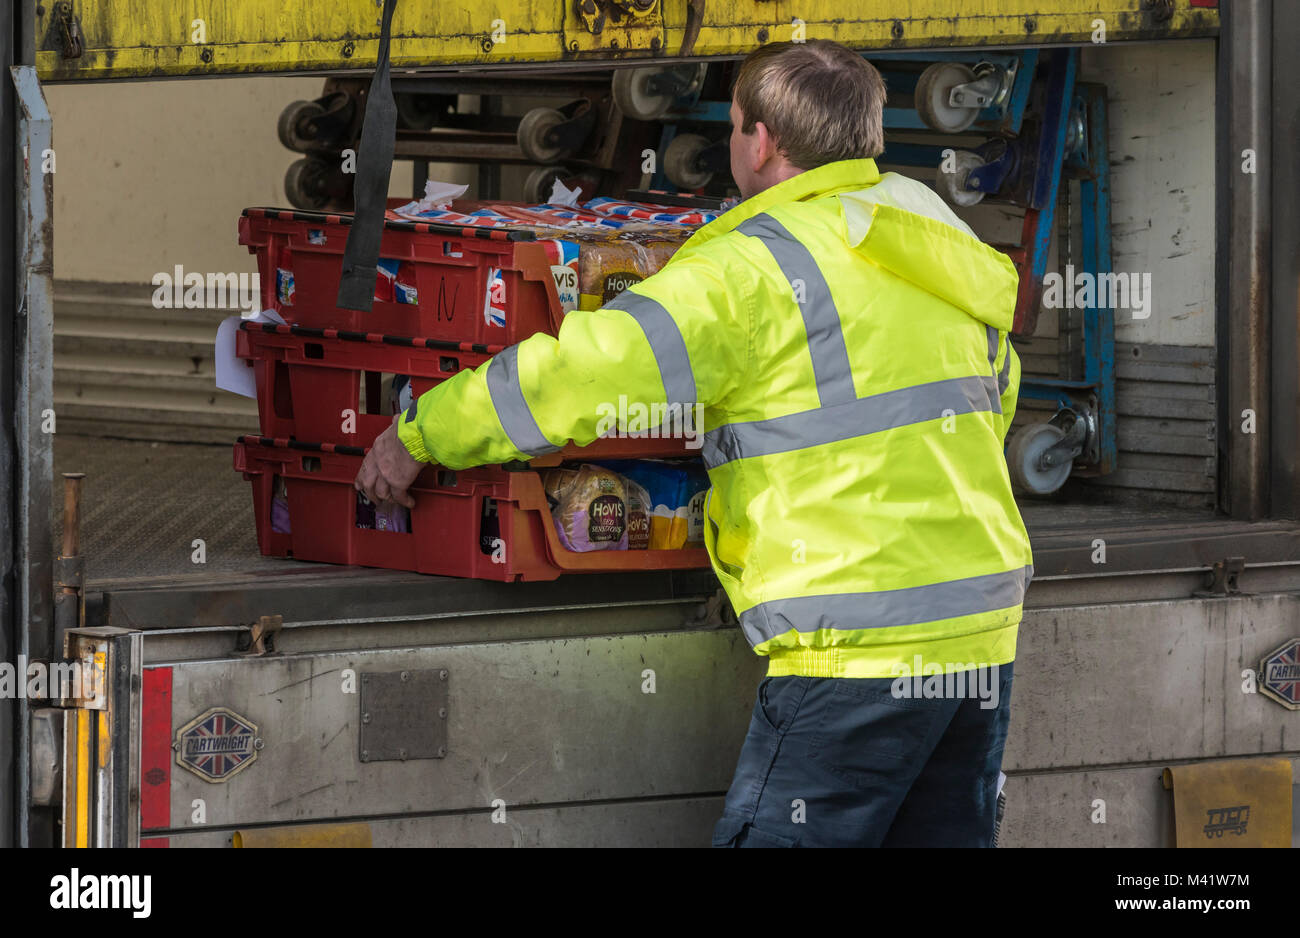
<point x="448" y="299"/>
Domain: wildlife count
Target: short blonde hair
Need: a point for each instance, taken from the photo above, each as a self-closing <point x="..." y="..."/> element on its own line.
<point x="820" y="101"/>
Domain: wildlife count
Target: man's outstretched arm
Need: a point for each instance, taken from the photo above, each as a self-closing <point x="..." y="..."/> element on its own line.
<point x="678" y="337"/>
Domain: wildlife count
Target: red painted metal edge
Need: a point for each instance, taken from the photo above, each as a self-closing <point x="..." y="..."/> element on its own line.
<point x="156" y="752"/>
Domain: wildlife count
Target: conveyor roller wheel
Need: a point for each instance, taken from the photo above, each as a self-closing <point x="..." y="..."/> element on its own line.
<point x="1025" y="459"/>
<point x="646" y="94"/>
<point x="532" y="131"/>
<point x="681" y="161"/>
<point x="421" y="111"/>
<point x="296" y="128"/>
<point x="952" y="186"/>
<point x="933" y="93"/>
<point x="540" y="182"/>
<point x="309" y="183"/>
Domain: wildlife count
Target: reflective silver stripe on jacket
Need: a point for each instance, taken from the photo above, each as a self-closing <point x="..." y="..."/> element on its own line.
<point x="995" y="399"/>
<point x="842" y="415"/>
<point x="1005" y="374"/>
<point x="830" y="356"/>
<point x="874" y="414"/>
<point x="512" y="410"/>
<point x="666" y="342"/>
<point x="887" y="608"/>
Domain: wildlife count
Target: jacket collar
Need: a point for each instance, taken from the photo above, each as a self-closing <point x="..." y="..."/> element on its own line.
<point x="825" y="180"/>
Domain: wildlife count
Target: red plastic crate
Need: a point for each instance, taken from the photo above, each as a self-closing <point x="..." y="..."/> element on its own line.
<point x="448" y="266"/>
<point x="307" y="378"/>
<point x="446" y="523"/>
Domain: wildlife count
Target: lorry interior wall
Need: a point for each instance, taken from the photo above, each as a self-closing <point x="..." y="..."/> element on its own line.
<point x="1162" y="184"/>
<point x="145" y="183"/>
<point x="1162" y="139"/>
<point x="149" y="163"/>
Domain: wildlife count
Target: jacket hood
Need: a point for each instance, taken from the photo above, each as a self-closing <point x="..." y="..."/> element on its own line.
<point x="905" y="227"/>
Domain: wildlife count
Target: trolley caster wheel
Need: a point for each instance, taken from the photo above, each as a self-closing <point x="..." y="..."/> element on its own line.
<point x="421" y="111"/>
<point x="310" y="184"/>
<point x="952" y="186"/>
<point x="295" y="127"/>
<point x="532" y="131"/>
<point x="681" y="161"/>
<point x="1076" y="133"/>
<point x="933" y="92"/>
<point x="637" y="100"/>
<point x="1024" y="459"/>
<point x="539" y="183"/>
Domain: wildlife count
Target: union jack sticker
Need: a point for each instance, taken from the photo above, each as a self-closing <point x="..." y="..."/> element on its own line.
<point x="1279" y="674"/>
<point x="217" y="744"/>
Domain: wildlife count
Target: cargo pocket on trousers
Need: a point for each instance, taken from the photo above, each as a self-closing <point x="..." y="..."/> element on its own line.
<point x="731" y="831"/>
<point x="779" y="700"/>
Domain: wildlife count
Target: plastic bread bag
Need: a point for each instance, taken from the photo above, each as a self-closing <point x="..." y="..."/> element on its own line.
<point x="671" y="488"/>
<point x="646" y="211"/>
<point x="589" y="505"/>
<point x="383" y="517"/>
<point x="638" y="515"/>
<point x="696" y="491"/>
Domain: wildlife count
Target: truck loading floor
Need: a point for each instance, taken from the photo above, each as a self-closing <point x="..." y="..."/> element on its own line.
<point x="144" y="503"/>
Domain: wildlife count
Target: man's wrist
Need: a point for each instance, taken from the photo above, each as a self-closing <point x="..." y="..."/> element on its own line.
<point x="408" y="432"/>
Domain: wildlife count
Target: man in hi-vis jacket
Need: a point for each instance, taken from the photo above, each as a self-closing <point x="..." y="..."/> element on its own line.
<point x="846" y="336"/>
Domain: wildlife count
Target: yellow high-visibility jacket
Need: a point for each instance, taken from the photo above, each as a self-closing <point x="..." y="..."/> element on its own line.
<point x="846" y="335"/>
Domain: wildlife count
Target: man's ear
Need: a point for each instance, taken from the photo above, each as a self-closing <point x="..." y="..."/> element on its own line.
<point x="766" y="148"/>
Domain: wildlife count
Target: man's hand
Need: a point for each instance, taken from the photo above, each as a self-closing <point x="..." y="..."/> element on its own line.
<point x="388" y="470"/>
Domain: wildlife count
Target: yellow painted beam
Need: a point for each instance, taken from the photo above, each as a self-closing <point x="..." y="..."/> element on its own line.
<point x="158" y="38"/>
<point x="305" y="835"/>
<point x="77" y="778"/>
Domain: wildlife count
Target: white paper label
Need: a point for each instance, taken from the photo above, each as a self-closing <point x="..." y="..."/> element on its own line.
<point x="566" y="285"/>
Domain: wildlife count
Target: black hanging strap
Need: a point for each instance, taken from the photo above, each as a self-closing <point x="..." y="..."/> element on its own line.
<point x="370" y="188"/>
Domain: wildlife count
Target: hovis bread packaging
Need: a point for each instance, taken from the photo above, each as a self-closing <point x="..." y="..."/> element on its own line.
<point x="644" y="504"/>
<point x="638" y="515"/>
<point x="676" y="494"/>
<point x="589" y="505"/>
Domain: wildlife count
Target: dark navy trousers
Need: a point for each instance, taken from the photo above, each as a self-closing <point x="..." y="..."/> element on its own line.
<point x="870" y="762"/>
